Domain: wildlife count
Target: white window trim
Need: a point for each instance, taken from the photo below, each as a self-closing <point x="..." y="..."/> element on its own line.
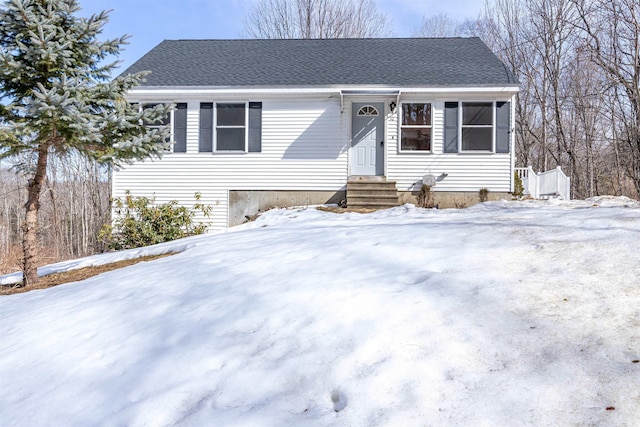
<point x="400" y="126"/>
<point x="215" y="127"/>
<point x="493" y="126"/>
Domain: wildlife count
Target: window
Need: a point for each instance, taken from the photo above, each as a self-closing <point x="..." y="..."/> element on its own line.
<point x="177" y="120"/>
<point x="368" y="110"/>
<point x="415" y="127"/>
<point x="231" y="127"/>
<point x="157" y="124"/>
<point x="474" y="126"/>
<point x="477" y="126"/>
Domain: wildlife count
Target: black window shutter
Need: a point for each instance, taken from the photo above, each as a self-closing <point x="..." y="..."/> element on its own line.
<point x="450" y="127"/>
<point x="205" y="142"/>
<point x="255" y="127"/>
<point x="180" y="128"/>
<point x="503" y="126"/>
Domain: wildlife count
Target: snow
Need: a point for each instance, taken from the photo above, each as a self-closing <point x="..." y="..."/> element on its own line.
<point x="504" y="313"/>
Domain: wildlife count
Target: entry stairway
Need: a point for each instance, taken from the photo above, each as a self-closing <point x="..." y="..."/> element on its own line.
<point x="373" y="192"/>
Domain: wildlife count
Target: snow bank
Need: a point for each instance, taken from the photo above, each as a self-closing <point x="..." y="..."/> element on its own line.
<point x="522" y="313"/>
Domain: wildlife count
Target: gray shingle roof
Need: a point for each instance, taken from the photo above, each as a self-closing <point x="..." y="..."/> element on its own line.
<point x="408" y="62"/>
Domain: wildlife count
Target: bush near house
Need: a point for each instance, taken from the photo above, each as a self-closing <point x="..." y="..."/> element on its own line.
<point x="518" y="187"/>
<point x="425" y="197"/>
<point x="483" y="194"/>
<point x="140" y="222"/>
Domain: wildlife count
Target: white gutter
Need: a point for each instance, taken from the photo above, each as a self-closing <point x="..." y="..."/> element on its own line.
<point x="165" y="90"/>
<point x="168" y="90"/>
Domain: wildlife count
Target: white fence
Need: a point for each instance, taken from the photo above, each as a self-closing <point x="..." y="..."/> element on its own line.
<point x="545" y="185"/>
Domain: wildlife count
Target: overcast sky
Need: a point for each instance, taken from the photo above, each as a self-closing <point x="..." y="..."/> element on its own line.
<point x="151" y="21"/>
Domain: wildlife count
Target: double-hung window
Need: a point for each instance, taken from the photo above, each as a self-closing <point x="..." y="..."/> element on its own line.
<point x="176" y="120"/>
<point x="230" y="127"/>
<point x="415" y="127"/>
<point x="477" y="127"/>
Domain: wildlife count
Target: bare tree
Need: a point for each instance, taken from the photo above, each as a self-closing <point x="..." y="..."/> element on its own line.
<point x="316" y="19"/>
<point x="440" y="25"/>
<point x="75" y="206"/>
<point x="611" y="33"/>
<point x="506" y="28"/>
<point x="577" y="62"/>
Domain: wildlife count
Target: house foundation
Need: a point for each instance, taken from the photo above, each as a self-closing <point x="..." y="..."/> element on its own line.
<point x="453" y="199"/>
<point x="243" y="204"/>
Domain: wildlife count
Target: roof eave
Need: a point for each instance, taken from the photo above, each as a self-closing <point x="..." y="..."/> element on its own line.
<point x="319" y="90"/>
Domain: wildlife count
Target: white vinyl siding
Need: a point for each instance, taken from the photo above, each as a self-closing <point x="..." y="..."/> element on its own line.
<point x="465" y="171"/>
<point x="305" y="142"/>
<point x="304" y="147"/>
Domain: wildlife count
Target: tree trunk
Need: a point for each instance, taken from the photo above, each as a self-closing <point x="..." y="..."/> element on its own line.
<point x="30" y="228"/>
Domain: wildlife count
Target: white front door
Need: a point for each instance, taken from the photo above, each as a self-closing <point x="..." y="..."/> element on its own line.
<point x="367" y="139"/>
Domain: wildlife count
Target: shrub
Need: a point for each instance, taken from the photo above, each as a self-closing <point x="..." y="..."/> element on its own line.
<point x="459" y="204"/>
<point x="140" y="222"/>
<point x="425" y="197"/>
<point x="518" y="187"/>
<point x="483" y="194"/>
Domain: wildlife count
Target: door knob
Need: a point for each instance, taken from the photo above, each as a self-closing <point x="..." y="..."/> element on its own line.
<point x="381" y="143"/>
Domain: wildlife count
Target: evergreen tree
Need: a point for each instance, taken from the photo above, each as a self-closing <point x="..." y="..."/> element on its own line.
<point x="57" y="97"/>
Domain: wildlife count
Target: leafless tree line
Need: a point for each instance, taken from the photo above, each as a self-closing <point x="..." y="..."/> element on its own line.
<point x="75" y="205"/>
<point x="316" y="19"/>
<point x="578" y="63"/>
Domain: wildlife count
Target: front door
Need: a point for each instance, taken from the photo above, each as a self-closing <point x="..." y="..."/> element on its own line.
<point x="367" y="139"/>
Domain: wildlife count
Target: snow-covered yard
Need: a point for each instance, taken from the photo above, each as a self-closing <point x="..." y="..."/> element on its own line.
<point x="523" y="313"/>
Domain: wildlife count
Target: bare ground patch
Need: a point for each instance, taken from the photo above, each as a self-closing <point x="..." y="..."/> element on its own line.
<point x="339" y="210"/>
<point x="55" y="279"/>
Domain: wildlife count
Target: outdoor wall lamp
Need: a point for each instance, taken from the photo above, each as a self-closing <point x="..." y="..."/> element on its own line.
<point x="392" y="107"/>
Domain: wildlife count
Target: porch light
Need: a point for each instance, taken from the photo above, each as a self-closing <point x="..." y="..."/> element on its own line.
<point x="392" y="107"/>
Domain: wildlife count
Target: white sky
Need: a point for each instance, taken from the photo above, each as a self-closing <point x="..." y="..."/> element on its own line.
<point x="151" y="21"/>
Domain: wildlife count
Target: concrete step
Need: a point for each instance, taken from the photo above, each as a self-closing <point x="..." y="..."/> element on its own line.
<point x="384" y="192"/>
<point x="382" y="197"/>
<point x="371" y="192"/>
<point x="367" y="178"/>
<point x="387" y="185"/>
<point x="372" y="205"/>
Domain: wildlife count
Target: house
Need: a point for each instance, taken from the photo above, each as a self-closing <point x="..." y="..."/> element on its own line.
<point x="263" y="123"/>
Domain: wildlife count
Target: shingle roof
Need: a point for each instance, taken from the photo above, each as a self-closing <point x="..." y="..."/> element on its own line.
<point x="406" y="62"/>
